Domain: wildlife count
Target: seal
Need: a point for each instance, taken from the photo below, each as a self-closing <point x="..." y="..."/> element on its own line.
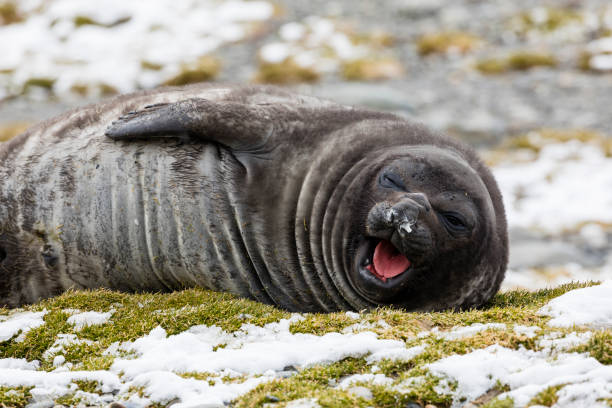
<point x="282" y="198"/>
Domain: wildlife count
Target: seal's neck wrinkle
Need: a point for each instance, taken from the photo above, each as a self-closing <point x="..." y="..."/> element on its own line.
<point x="311" y="207"/>
<point x="330" y="221"/>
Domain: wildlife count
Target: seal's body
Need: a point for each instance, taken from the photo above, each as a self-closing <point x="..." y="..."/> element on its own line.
<point x="282" y="198"/>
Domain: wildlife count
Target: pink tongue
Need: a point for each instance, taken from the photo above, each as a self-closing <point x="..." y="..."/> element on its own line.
<point x="387" y="262"/>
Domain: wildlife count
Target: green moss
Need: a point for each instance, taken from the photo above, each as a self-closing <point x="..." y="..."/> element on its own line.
<point x="418" y="385"/>
<point x="38" y="339"/>
<point x="204" y="69"/>
<point x="88" y="385"/>
<point x="286" y="72"/>
<point x="369" y="69"/>
<point x="537" y="139"/>
<point x="492" y="66"/>
<point x="442" y="43"/>
<point x="137" y="314"/>
<point x="9" y="13"/>
<point x="308" y="383"/>
<point x="547" y="397"/>
<point x="45" y="83"/>
<point x="526" y="60"/>
<point x="499" y="403"/>
<point x="606" y="400"/>
<point x="68" y="400"/>
<point x="553" y="19"/>
<point x="12" y="129"/>
<point x="151" y="66"/>
<point x="534" y="299"/>
<point x="517" y="61"/>
<point x="599" y="346"/>
<point x="17" y="397"/>
<point x="377" y="39"/>
<point x="319" y="323"/>
<point x="80" y="21"/>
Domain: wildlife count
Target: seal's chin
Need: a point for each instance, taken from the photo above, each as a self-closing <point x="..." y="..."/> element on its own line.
<point x="380" y="271"/>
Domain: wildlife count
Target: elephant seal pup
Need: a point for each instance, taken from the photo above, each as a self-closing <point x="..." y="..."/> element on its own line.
<point x="287" y="199"/>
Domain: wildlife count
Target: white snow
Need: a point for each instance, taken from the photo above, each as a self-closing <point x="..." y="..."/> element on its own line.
<point x="50" y="385"/>
<point x="251" y="350"/>
<point x="468" y="331"/>
<point x="527" y="373"/>
<point x="84" y="319"/>
<point x="601" y="62"/>
<point x="62" y="340"/>
<point x="303" y="403"/>
<point x="155" y="360"/>
<point x="18" y="364"/>
<point x="536" y="278"/>
<point x="374" y="379"/>
<point x="20" y="322"/>
<point x="528" y="331"/>
<point x="541" y="194"/>
<point x="275" y="52"/>
<point x="253" y="355"/>
<point x="590" y="307"/>
<point x="395" y="354"/>
<point x="601" y="45"/>
<point x="316" y="42"/>
<point x="557" y="342"/>
<point x="50" y="44"/>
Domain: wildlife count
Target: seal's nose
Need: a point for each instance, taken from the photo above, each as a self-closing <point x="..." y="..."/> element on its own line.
<point x="404" y="214"/>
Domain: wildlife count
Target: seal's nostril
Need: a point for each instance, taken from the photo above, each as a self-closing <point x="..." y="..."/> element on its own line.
<point x="2" y="254"/>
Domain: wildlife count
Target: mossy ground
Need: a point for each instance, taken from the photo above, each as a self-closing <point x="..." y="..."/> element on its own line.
<point x="12" y="129"/>
<point x="137" y="314"/>
<point x="445" y="42"/>
<point x="9" y="12"/>
<point x="516" y="61"/>
<point x="285" y="72"/>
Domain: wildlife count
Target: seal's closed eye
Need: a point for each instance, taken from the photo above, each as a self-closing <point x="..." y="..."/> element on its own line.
<point x="454" y="221"/>
<point x="391" y="180"/>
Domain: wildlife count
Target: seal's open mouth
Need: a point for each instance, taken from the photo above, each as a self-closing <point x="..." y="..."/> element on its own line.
<point x="386" y="261"/>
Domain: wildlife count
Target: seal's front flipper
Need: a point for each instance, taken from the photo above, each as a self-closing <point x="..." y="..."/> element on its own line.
<point x="152" y="121"/>
<point x="235" y="125"/>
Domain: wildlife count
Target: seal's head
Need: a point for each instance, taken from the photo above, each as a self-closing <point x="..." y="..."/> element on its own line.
<point x="433" y="234"/>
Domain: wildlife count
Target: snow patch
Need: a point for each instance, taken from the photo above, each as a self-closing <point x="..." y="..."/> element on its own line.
<point x="541" y="194"/>
<point x="85" y="319"/>
<point x="62" y="41"/>
<point x="374" y="379"/>
<point x="468" y="331"/>
<point x="528" y="331"/>
<point x="590" y="307"/>
<point x="20" y="322"/>
<point x="395" y="354"/>
<point x="527" y="373"/>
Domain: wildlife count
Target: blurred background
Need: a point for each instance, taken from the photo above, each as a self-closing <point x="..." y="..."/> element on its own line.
<point x="528" y="83"/>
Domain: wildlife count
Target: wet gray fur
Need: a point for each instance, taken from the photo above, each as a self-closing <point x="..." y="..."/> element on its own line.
<point x="250" y="190"/>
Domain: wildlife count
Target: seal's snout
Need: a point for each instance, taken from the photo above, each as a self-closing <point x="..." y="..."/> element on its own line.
<point x="404" y="215"/>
